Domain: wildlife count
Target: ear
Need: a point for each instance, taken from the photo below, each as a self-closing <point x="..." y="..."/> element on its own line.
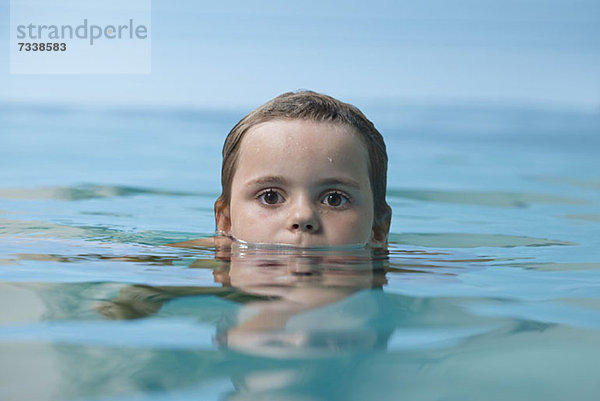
<point x="380" y="231"/>
<point x="222" y="219"/>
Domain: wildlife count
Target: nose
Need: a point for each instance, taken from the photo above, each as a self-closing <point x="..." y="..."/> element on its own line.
<point x="303" y="218"/>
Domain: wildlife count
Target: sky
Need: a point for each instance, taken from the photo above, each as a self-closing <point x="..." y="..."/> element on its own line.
<point x="237" y="53"/>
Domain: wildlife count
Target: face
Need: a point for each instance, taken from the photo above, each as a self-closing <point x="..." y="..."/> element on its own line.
<point x="301" y="183"/>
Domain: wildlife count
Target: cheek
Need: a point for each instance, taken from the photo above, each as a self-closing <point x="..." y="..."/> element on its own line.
<point x="252" y="223"/>
<point x="349" y="227"/>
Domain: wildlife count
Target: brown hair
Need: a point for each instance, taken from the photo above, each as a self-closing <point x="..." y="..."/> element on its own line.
<point x="313" y="106"/>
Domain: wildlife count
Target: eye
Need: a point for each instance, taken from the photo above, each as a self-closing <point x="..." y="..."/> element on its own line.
<point x="335" y="199"/>
<point x="270" y="197"/>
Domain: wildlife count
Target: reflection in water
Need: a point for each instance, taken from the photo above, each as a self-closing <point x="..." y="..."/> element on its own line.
<point x="306" y="318"/>
<point x="275" y="314"/>
<point x="283" y="294"/>
<point x="275" y="323"/>
<point x="299" y="312"/>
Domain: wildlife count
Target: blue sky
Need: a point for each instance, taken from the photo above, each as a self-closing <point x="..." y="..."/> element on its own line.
<point x="240" y="53"/>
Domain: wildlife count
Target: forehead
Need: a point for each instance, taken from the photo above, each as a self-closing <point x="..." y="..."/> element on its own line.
<point x="290" y="145"/>
<point x="287" y="137"/>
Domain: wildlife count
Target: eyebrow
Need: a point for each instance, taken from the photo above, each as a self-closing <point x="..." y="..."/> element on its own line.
<point x="272" y="179"/>
<point x="346" y="181"/>
<point x="279" y="180"/>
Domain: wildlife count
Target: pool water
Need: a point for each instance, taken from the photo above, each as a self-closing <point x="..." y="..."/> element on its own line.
<point x="490" y="289"/>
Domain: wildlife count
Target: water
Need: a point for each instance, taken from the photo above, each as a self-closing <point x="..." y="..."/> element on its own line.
<point x="490" y="290"/>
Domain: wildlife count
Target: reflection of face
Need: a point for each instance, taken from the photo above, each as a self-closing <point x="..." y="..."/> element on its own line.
<point x="295" y="286"/>
<point x="308" y="277"/>
<point x="302" y="183"/>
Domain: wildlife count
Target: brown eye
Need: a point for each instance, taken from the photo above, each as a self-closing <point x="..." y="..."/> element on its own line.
<point x="335" y="199"/>
<point x="270" y="197"/>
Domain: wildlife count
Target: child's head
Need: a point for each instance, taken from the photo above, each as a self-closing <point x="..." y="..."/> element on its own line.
<point x="304" y="169"/>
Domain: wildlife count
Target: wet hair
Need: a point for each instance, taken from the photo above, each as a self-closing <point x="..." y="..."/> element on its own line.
<point x="317" y="107"/>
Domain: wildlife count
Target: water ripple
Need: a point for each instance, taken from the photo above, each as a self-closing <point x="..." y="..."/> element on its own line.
<point x="86" y="191"/>
<point x="471" y="240"/>
<point x="484" y="198"/>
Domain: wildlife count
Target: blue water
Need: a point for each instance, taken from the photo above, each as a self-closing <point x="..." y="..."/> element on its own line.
<point x="490" y="290"/>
